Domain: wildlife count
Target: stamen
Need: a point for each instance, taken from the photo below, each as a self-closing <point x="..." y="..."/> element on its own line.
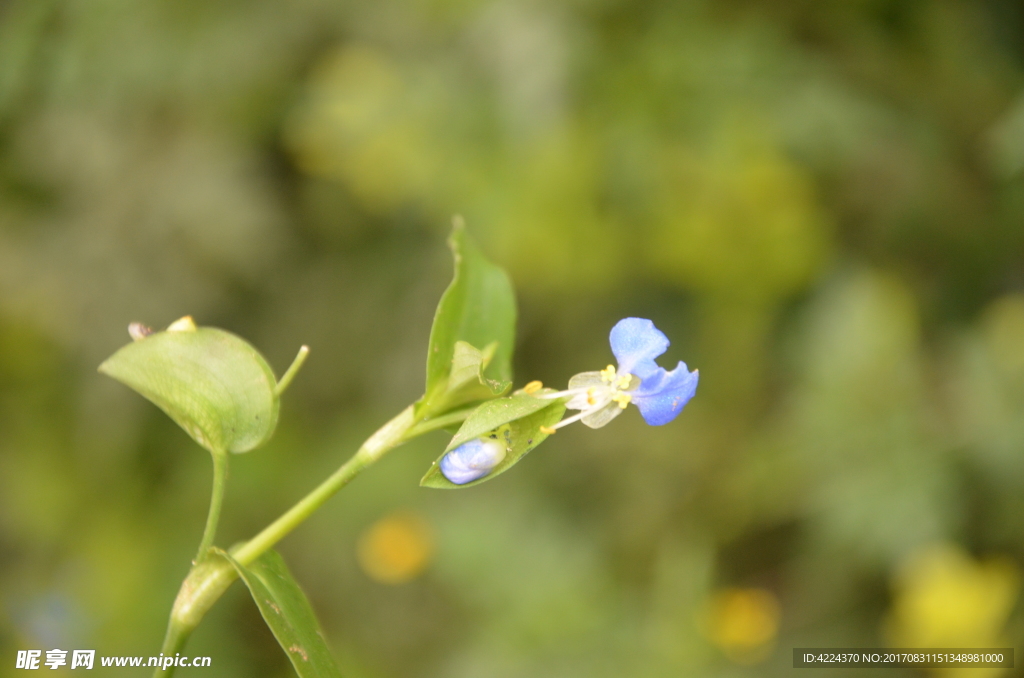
<point x="597" y="397"/>
<point x="533" y="387"/>
<point x="569" y="420"/>
<point x="560" y="394"/>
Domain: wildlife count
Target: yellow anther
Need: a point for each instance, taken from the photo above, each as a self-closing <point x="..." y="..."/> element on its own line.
<point x="590" y="396"/>
<point x="622" y="399"/>
<point x="624" y="380"/>
<point x="185" y="324"/>
<point x="608" y="374"/>
<point x="533" y="387"/>
<point x="547" y="429"/>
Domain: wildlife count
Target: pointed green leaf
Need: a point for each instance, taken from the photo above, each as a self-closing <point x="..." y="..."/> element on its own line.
<point x="478" y="308"/>
<point x="517" y="420"/>
<point x="493" y="413"/>
<point x="212" y="383"/>
<point x="289" y="615"/>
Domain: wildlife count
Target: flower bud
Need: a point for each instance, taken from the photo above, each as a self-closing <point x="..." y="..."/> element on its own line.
<point x="472" y="460"/>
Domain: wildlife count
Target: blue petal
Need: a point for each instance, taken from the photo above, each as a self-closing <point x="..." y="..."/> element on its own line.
<point x="662" y="395"/>
<point x="472" y="460"/>
<point x="636" y="342"/>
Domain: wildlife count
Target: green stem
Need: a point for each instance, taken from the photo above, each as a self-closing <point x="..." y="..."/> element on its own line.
<point x="449" y="419"/>
<point x="220" y="474"/>
<point x="293" y="369"/>
<point x="210" y="578"/>
<point x="388" y="436"/>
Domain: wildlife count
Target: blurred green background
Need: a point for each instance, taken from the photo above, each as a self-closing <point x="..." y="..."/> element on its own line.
<point x="821" y="202"/>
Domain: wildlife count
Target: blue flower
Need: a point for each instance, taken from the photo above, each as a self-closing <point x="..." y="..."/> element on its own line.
<point x="472" y="460"/>
<point x="659" y="394"/>
<point x="601" y="396"/>
<point x="636" y="342"/>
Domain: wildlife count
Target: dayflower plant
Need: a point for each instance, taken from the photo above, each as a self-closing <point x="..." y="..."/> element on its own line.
<point x="225" y="395"/>
<point x="600" y="396"/>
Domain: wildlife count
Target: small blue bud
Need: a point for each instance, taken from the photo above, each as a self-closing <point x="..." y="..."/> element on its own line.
<point x="472" y="460"/>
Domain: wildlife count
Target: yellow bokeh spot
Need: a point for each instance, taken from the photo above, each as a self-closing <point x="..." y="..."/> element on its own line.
<point x="742" y="623"/>
<point x="944" y="598"/>
<point x="396" y="548"/>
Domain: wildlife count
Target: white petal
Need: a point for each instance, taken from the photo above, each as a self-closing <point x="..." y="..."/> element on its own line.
<point x="586" y="380"/>
<point x="602" y="416"/>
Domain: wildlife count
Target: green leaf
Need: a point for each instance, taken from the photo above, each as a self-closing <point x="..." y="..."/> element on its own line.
<point x="517" y="419"/>
<point x="494" y="413"/>
<point x="478" y="308"/>
<point x="288" y="613"/>
<point x="467" y="382"/>
<point x="212" y="383"/>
